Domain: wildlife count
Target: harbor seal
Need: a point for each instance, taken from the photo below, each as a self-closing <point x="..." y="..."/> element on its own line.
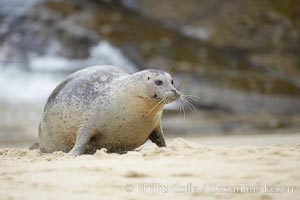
<point x="106" y="107"/>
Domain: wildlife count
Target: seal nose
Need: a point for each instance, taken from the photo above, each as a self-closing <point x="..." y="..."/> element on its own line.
<point x="177" y="94"/>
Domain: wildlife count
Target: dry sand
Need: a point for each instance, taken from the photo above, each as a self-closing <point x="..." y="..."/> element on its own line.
<point x="184" y="170"/>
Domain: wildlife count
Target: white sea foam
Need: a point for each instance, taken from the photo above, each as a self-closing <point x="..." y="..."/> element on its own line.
<point x="196" y="32"/>
<point x="102" y="54"/>
<point x="18" y="86"/>
<point x="16" y="6"/>
<point x="35" y="86"/>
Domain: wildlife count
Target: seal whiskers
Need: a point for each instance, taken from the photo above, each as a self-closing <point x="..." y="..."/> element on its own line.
<point x="186" y="101"/>
<point x="159" y="106"/>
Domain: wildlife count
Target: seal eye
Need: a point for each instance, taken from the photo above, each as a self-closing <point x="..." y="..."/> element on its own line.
<point x="172" y="82"/>
<point x="158" y="82"/>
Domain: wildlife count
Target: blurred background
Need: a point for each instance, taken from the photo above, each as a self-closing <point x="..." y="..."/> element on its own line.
<point x="239" y="57"/>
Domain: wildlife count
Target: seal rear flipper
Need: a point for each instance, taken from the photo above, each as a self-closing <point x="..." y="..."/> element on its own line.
<point x="34" y="146"/>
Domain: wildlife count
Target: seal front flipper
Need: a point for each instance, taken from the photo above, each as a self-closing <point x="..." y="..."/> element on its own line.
<point x="83" y="137"/>
<point x="157" y="137"/>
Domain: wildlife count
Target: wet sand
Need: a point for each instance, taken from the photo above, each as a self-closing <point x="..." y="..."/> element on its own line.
<point x="234" y="167"/>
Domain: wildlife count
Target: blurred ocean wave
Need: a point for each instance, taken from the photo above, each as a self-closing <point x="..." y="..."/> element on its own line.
<point x="26" y="87"/>
<point x="46" y="71"/>
<point x="16" y="7"/>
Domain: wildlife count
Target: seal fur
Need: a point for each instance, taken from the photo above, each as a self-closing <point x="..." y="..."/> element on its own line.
<point x="106" y="107"/>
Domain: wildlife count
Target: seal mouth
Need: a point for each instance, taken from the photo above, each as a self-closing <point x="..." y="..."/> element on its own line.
<point x="155" y="96"/>
<point x="169" y="97"/>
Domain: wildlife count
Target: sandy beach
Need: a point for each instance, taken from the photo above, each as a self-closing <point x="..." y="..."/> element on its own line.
<point x="266" y="168"/>
<point x="225" y="74"/>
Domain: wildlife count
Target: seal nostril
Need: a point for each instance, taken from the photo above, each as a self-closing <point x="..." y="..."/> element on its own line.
<point x="175" y="92"/>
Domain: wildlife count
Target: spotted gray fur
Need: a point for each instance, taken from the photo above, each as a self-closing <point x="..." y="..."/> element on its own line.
<point x="104" y="107"/>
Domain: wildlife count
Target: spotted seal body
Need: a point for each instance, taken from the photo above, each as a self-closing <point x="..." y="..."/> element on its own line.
<point x="105" y="107"/>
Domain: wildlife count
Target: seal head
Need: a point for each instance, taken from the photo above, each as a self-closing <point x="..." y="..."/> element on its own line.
<point x="159" y="86"/>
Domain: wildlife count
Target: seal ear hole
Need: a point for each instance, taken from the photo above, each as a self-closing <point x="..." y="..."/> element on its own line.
<point x="172" y="82"/>
<point x="148" y="78"/>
